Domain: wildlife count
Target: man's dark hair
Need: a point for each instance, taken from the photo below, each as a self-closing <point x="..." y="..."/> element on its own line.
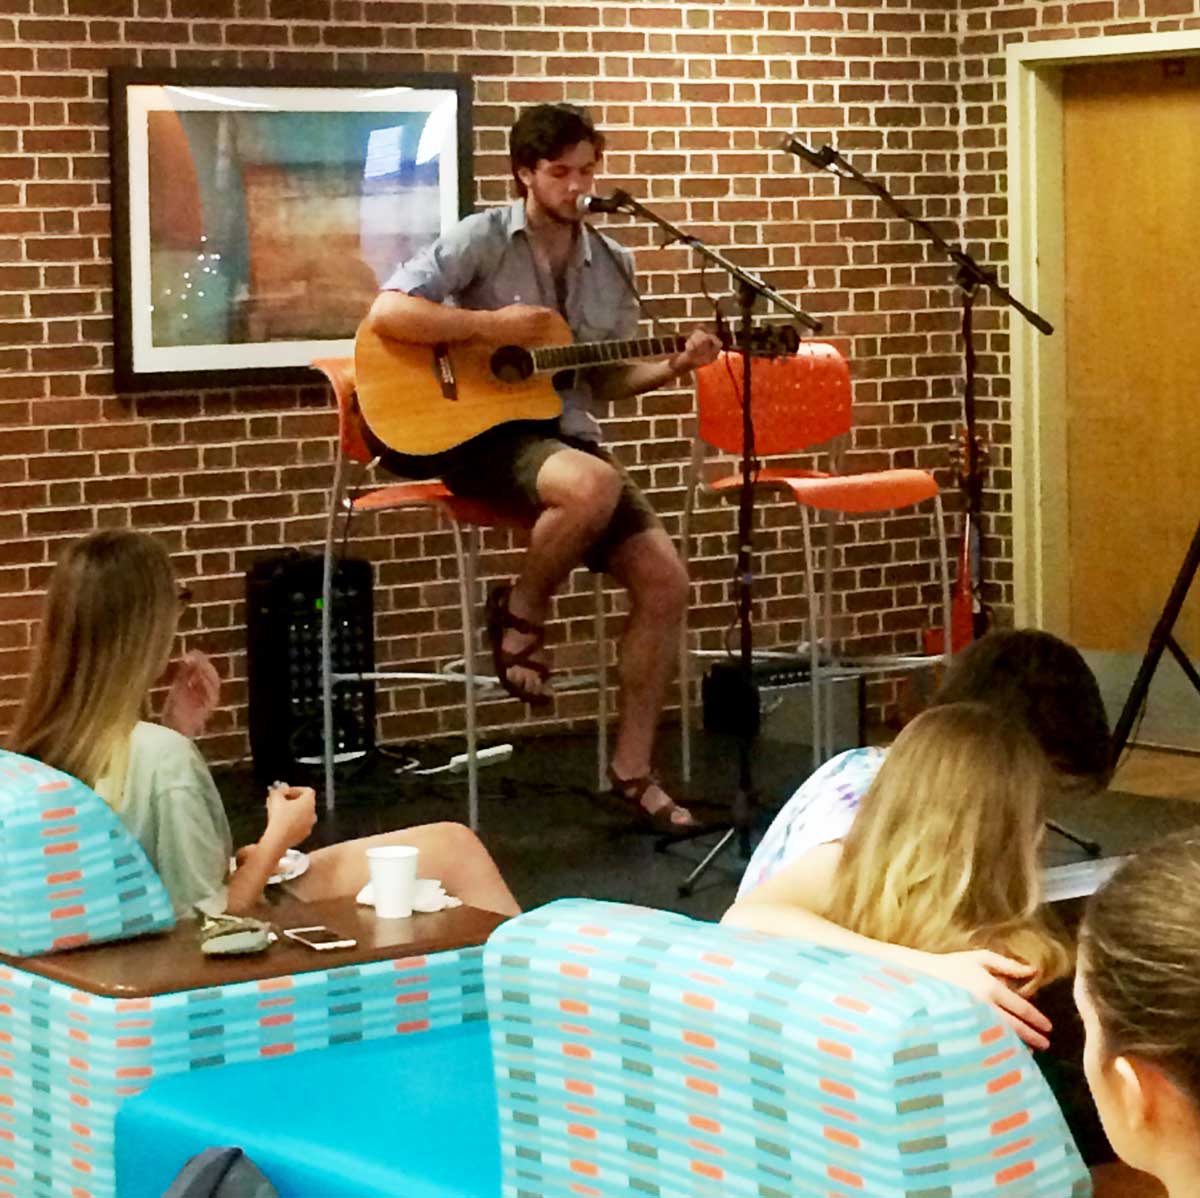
<point x="545" y="131"/>
<point x="1045" y="683"/>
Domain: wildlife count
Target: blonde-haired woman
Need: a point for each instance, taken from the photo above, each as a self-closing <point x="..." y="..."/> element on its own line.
<point x="109" y="623"/>
<point x="938" y="870"/>
<point x="1138" y="990"/>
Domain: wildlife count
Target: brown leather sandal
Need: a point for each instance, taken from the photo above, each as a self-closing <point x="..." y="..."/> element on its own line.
<point x="499" y="620"/>
<point x="628" y="793"/>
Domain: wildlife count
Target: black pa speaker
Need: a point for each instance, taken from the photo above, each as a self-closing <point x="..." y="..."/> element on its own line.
<point x="283" y="663"/>
<point x="777" y="705"/>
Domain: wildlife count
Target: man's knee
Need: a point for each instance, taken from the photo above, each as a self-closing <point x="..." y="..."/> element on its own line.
<point x="590" y="490"/>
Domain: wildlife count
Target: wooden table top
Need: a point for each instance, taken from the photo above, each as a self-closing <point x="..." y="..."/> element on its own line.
<point x="172" y="961"/>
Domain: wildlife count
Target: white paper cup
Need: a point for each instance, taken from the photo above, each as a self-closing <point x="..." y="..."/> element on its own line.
<point x="393" y="878"/>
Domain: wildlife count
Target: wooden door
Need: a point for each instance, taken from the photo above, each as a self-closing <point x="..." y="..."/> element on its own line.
<point x="1131" y="134"/>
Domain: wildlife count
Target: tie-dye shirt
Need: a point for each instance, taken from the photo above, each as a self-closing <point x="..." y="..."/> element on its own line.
<point x="821" y="811"/>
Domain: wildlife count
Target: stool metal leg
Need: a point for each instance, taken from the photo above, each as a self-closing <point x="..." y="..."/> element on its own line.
<point x="601" y="683"/>
<point x="939" y="516"/>
<point x="335" y="504"/>
<point x="827" y="699"/>
<point x="467" y="557"/>
<point x="813" y="655"/>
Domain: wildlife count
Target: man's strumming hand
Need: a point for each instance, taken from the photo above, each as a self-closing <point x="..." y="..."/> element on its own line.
<point x="518" y="324"/>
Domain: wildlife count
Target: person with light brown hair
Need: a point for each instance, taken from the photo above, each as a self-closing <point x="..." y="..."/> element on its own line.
<point x="1027" y="674"/>
<point x="110" y="617"/>
<point x="939" y="869"/>
<point x="1137" y="986"/>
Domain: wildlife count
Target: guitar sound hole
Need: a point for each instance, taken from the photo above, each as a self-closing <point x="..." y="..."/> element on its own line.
<point x="512" y="364"/>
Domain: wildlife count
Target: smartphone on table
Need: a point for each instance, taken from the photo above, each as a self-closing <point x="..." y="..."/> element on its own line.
<point x="320" y="938"/>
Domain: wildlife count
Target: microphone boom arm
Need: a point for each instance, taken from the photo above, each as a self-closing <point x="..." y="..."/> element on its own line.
<point x="971" y="273"/>
<point x="623" y="202"/>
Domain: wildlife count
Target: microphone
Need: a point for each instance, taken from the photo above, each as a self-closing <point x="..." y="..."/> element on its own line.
<point x="612" y="203"/>
<point x="822" y="159"/>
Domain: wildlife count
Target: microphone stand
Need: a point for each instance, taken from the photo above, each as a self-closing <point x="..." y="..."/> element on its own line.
<point x="749" y="288"/>
<point x="969" y="278"/>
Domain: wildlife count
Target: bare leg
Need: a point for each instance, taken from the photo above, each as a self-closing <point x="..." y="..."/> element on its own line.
<point x="450" y="852"/>
<point x="650" y="570"/>
<point x="580" y="493"/>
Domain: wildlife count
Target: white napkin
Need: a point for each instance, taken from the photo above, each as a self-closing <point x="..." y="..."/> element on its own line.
<point x="430" y="895"/>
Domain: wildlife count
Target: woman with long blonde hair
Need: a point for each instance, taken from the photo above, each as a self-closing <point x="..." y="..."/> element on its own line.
<point x="111" y="613"/>
<point x="938" y="870"/>
<point x="108" y="625"/>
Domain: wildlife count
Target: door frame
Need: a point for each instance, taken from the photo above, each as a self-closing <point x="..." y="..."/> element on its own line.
<point x="1038" y="364"/>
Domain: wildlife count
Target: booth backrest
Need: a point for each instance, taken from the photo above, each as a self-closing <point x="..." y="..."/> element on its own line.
<point x="70" y="873"/>
<point x="640" y="1052"/>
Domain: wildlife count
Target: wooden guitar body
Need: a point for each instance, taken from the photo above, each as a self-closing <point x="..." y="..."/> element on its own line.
<point x="422" y="400"/>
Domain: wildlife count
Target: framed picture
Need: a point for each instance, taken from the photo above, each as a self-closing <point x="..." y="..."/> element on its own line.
<point x="255" y="214"/>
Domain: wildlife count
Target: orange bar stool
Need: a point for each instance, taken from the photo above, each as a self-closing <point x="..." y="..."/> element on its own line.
<point x="801" y="403"/>
<point x="465" y="518"/>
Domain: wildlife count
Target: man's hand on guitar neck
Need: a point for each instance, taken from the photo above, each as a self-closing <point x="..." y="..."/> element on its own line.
<point x="702" y="347"/>
<point x="619" y="382"/>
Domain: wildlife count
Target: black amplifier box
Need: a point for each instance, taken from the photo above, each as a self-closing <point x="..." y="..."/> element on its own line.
<point x="778" y="705"/>
<point x="283" y="652"/>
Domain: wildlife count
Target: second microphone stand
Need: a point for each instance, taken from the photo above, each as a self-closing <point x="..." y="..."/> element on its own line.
<point x="970" y="276"/>
<point x="749" y="288"/>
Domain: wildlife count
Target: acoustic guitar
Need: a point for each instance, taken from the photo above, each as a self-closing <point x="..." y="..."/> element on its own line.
<point x="420" y="402"/>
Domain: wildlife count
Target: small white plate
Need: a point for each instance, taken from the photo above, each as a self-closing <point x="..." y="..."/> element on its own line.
<point x="291" y="865"/>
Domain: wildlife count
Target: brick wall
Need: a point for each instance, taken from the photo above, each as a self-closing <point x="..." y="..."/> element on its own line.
<point x="693" y="97"/>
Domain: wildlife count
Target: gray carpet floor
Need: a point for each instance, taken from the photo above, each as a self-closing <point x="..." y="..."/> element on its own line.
<point x="552" y="838"/>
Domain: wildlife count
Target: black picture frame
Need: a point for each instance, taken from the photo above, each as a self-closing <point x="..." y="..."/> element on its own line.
<point x="235" y="197"/>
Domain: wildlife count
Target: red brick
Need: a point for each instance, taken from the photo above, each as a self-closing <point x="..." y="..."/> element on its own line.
<point x="692" y="96"/>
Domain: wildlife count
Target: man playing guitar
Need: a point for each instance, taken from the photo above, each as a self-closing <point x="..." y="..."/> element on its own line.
<point x="506" y="275"/>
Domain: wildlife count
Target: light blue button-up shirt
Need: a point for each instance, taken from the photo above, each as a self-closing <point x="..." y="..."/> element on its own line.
<point x="486" y="262"/>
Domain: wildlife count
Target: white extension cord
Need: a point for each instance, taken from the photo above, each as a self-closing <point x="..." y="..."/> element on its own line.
<point x="458" y="763"/>
<point x="492" y="756"/>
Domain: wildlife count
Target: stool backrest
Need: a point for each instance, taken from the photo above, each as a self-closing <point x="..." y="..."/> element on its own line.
<point x="70" y="873"/>
<point x="340" y="374"/>
<point x="642" y="1052"/>
<point x="797" y="402"/>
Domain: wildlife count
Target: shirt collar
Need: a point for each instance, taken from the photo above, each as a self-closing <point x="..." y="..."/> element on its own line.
<point x="581" y="254"/>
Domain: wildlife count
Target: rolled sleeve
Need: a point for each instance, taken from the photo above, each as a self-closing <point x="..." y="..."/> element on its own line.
<point x="447" y="267"/>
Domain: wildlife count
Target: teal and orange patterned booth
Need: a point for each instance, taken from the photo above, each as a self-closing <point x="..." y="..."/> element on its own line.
<point x="637" y="1052"/>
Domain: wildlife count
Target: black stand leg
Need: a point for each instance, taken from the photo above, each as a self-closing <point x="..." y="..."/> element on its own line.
<point x="1161" y="638"/>
<point x="1091" y="847"/>
<point x="745" y="799"/>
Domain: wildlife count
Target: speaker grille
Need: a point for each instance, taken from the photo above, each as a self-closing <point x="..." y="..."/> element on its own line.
<point x="283" y="650"/>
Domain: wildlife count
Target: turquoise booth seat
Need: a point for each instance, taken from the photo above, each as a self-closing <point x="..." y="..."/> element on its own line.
<point x="83" y="1032"/>
<point x="412" y="1116"/>
<point x="639" y="1052"/>
<point x="70" y="874"/>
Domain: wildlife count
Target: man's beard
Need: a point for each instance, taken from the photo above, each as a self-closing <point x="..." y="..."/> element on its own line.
<point x="565" y="214"/>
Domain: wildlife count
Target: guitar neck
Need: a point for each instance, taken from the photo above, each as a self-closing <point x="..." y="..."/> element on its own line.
<point x="596" y="353"/>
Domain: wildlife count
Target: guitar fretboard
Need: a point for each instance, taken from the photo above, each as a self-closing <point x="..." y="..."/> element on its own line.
<point x="596" y="353"/>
